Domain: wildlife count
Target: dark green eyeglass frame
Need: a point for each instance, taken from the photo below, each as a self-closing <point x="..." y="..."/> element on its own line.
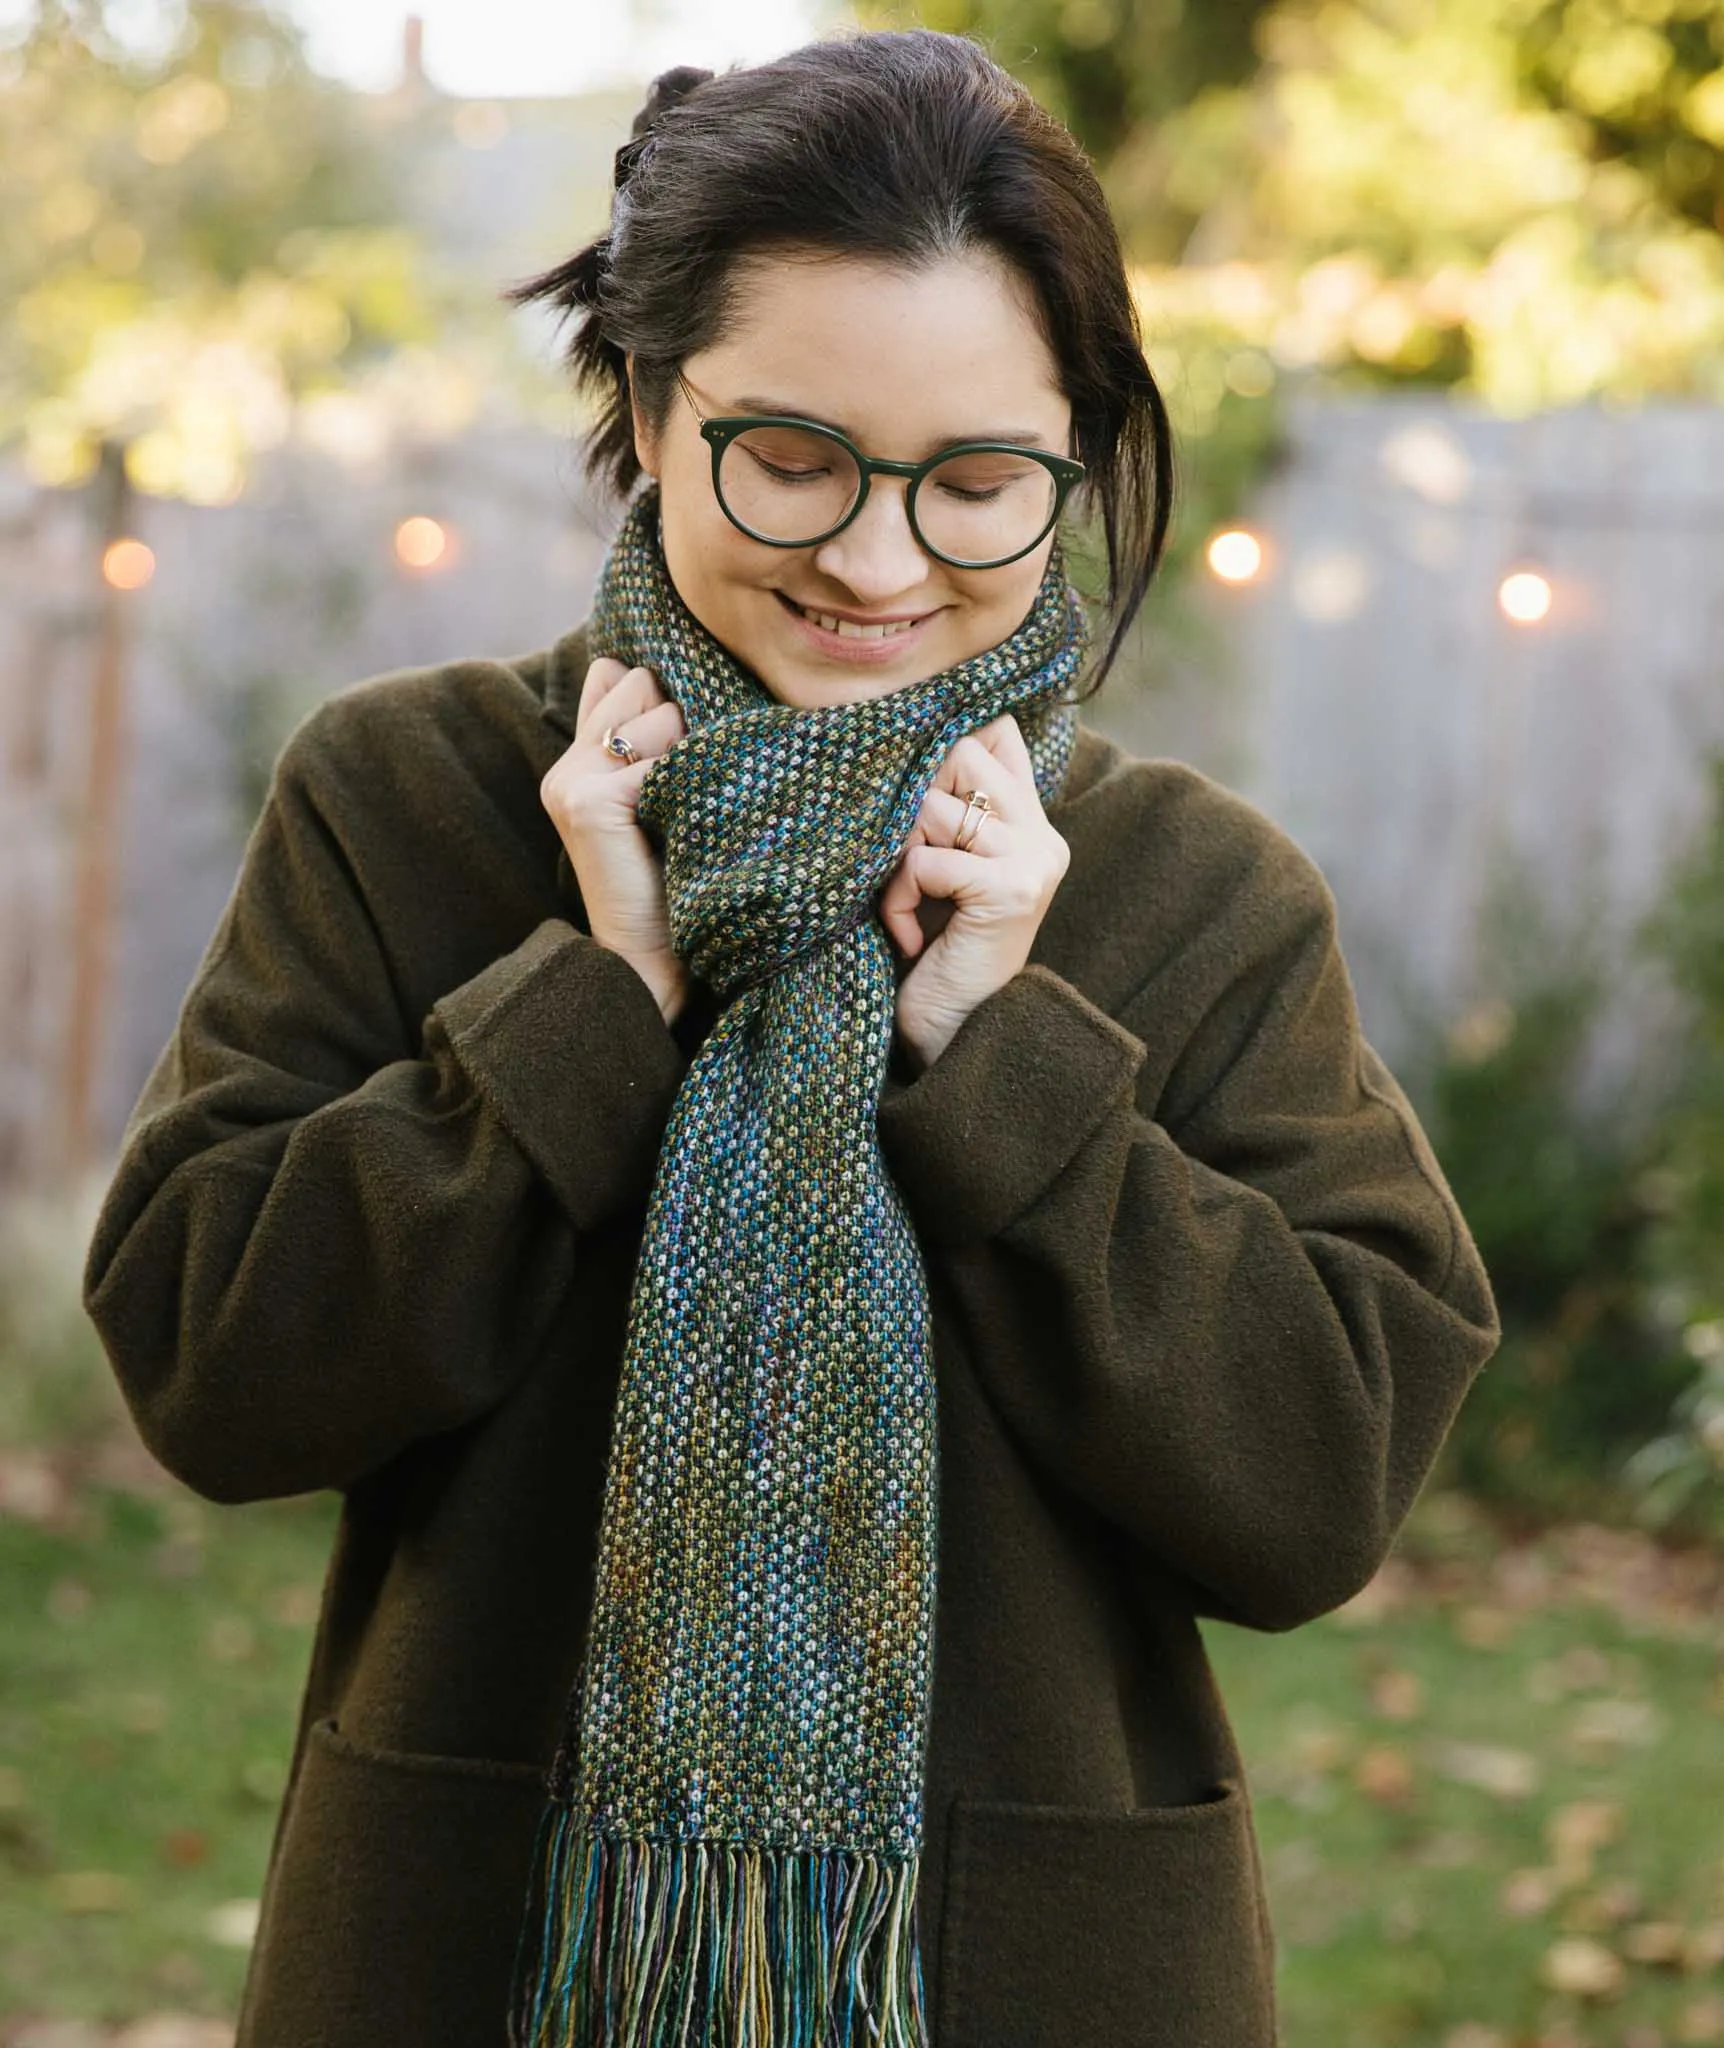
<point x="719" y="433"/>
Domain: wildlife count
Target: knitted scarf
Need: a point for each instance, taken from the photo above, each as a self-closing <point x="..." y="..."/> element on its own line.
<point x="729" y="1853"/>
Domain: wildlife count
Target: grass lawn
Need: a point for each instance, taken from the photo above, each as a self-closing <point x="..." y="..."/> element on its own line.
<point x="1490" y="1791"/>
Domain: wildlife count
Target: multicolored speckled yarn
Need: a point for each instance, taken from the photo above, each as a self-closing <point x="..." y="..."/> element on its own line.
<point x="730" y="1851"/>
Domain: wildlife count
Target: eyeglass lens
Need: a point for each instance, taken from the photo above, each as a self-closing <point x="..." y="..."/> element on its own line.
<point x="786" y="484"/>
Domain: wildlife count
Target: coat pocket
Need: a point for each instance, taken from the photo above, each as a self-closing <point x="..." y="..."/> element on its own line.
<point x="395" y="1904"/>
<point x="1146" y="1928"/>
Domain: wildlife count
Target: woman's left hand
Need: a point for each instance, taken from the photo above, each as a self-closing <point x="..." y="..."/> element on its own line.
<point x="999" y="888"/>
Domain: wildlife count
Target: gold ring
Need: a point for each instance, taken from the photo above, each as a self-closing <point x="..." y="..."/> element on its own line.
<point x="618" y="745"/>
<point x="977" y="807"/>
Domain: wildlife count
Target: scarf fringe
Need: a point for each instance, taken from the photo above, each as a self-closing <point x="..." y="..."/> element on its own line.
<point x="715" y="1944"/>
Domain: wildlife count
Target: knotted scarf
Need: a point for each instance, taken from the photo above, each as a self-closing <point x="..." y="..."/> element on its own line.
<point x="729" y="1853"/>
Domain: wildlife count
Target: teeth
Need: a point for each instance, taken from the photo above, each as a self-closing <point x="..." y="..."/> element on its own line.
<point x="848" y="629"/>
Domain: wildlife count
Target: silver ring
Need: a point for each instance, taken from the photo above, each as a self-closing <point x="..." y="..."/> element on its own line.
<point x="618" y="745"/>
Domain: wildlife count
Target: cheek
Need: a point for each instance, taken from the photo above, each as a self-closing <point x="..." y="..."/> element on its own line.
<point x="997" y="601"/>
<point x="694" y="539"/>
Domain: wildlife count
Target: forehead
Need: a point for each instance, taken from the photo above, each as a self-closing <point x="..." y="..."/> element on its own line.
<point x="953" y="346"/>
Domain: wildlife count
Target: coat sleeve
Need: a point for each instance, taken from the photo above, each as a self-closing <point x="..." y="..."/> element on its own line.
<point x="1208" y="1265"/>
<point x="334" y="1229"/>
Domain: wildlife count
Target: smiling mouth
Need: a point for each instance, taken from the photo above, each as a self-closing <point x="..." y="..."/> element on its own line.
<point x="853" y="629"/>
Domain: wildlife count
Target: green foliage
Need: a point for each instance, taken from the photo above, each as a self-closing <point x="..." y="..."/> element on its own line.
<point x="1644" y="80"/>
<point x="1681" y="1473"/>
<point x="1103" y="66"/>
<point x="195" y="236"/>
<point x="1559" y="1200"/>
<point x="1517" y="197"/>
<point x="150" y="1668"/>
<point x="1602" y="1226"/>
<point x="57" y="1392"/>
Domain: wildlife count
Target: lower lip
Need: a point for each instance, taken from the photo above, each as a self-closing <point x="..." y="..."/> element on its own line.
<point x="861" y="653"/>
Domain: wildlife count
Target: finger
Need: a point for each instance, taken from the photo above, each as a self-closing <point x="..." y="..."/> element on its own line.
<point x="634" y="690"/>
<point x="898" y="902"/>
<point x="971" y="764"/>
<point x="943" y="871"/>
<point x="1006" y="740"/>
<point x="944" y="812"/>
<point x="649" y="732"/>
<point x="602" y="676"/>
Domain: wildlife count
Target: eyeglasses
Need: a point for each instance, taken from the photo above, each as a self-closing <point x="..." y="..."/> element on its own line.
<point x="792" y="483"/>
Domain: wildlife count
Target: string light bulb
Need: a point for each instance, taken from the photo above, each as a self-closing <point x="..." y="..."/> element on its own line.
<point x="422" y="543"/>
<point x="1235" y="556"/>
<point x="1525" y="597"/>
<point x="127" y="564"/>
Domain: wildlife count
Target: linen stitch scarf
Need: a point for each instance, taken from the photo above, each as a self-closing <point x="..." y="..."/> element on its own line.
<point x="729" y="1853"/>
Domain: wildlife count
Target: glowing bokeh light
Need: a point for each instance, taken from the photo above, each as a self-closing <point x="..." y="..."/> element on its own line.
<point x="1235" y="556"/>
<point x="421" y="543"/>
<point x="1525" y="597"/>
<point x="128" y="564"/>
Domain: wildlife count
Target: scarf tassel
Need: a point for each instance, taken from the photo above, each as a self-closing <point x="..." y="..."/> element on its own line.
<point x="715" y="1944"/>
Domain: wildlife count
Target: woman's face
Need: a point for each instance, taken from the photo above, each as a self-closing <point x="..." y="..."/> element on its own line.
<point x="903" y="361"/>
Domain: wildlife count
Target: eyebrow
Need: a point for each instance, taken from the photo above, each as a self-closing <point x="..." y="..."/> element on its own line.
<point x="1016" y="436"/>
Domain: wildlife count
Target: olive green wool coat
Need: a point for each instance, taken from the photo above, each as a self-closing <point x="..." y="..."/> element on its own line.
<point x="1204" y="1309"/>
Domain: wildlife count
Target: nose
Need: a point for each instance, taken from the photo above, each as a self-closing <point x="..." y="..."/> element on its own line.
<point x="876" y="556"/>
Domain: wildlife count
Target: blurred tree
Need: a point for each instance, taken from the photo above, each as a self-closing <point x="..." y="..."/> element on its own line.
<point x="197" y="235"/>
<point x="1524" y="198"/>
<point x="1514" y="197"/>
<point x="1646" y="80"/>
<point x="1104" y="66"/>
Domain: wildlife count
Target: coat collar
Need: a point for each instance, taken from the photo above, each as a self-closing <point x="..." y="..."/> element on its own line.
<point x="566" y="666"/>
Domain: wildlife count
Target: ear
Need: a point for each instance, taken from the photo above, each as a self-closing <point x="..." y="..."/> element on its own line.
<point x="646" y="441"/>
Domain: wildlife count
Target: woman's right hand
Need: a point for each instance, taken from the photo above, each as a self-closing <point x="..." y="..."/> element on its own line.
<point x="592" y="797"/>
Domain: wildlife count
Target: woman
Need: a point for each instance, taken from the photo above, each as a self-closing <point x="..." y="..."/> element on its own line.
<point x="818" y="1215"/>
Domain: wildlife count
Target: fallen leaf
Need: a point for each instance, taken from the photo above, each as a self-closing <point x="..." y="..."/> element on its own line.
<point x="1602" y="1728"/>
<point x="296" y="1606"/>
<point x="1576" y="1830"/>
<point x="1584" y="1667"/>
<point x="90" y="1891"/>
<point x="1385" y="1774"/>
<point x="1484" y="1628"/>
<point x="1527" y="1893"/>
<point x="1595" y="1912"/>
<point x="57" y="2034"/>
<point x="1319" y="1748"/>
<point x="1704" y="1948"/>
<point x="1389" y="1589"/>
<point x="175" y="2030"/>
<point x="1702" y="2021"/>
<point x="1504" y="1773"/>
<point x="1398" y="1695"/>
<point x="1584" y="1969"/>
<point x="233" y="1924"/>
<point x="1658" y="1942"/>
<point x="1522" y="1577"/>
<point x="185" y="1848"/>
<point x="30" y="1488"/>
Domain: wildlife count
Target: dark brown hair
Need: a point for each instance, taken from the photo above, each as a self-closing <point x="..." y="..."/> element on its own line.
<point x="908" y="145"/>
